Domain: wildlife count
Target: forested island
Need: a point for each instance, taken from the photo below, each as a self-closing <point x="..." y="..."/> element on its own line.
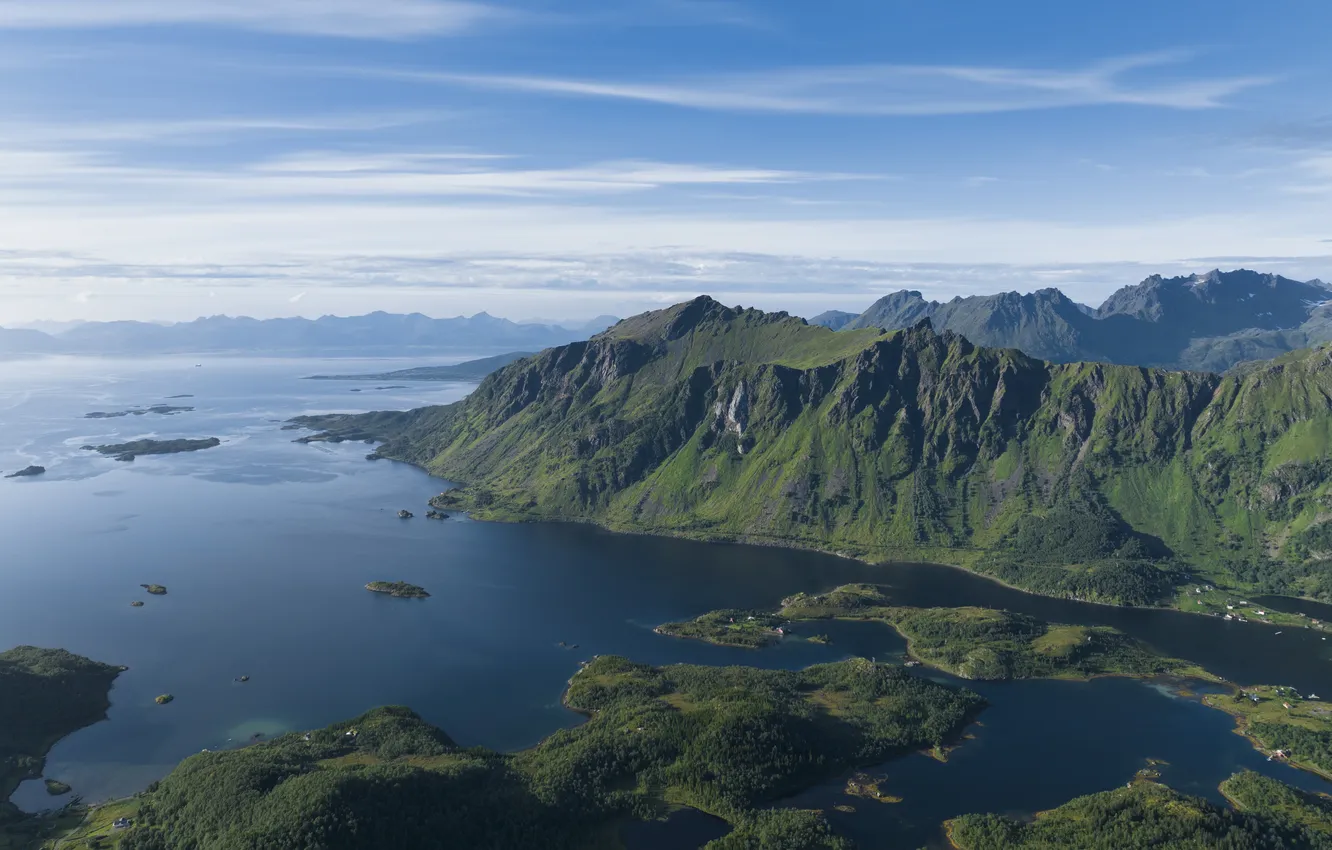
<point x="45" y="694"/>
<point x="973" y="643"/>
<point x="129" y="451"/>
<point x="729" y="741"/>
<point x="399" y="589"/>
<point x="729" y="627"/>
<point x="725" y="740"/>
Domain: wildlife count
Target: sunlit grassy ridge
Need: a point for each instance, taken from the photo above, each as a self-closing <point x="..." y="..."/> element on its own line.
<point x="706" y="421"/>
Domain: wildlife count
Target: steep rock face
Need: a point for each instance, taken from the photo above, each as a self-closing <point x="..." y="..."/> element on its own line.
<point x="703" y="419"/>
<point x="1219" y="302"/>
<point x="1206" y="321"/>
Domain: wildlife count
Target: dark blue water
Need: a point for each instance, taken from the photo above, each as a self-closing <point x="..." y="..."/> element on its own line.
<point x="265" y="546"/>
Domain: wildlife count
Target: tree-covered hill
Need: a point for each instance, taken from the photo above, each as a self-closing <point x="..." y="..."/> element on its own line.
<point x="725" y="740"/>
<point x="1270" y="816"/>
<point x="45" y="694"/>
<point x="1083" y="479"/>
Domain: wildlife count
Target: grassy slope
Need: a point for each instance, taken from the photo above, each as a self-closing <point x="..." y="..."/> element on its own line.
<point x="710" y="422"/>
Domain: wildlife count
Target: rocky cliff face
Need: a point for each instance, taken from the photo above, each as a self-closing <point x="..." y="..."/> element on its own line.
<point x="1213" y="320"/>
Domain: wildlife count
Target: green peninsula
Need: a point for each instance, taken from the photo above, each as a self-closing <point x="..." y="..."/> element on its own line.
<point x="129" y="451"/>
<point x="1084" y="480"/>
<point x="725" y="740"/>
<point x="45" y="695"/>
<point x="399" y="589"/>
<point x="1282" y="722"/>
<point x="973" y="643"/>
<point x="469" y="370"/>
<point x="1148" y="816"/>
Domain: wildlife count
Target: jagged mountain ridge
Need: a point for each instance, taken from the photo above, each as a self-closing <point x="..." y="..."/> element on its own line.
<point x="708" y="421"/>
<point x="1207" y="321"/>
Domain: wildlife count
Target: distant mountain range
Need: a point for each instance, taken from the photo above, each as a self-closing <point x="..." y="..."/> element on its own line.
<point x="373" y="334"/>
<point x="1206" y="321"/>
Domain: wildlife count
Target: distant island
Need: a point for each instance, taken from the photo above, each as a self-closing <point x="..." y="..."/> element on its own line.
<point x="162" y="409"/>
<point x="27" y="472"/>
<point x="163" y="699"/>
<point x="400" y="589"/>
<point x="471" y="370"/>
<point x="154" y="589"/>
<point x="129" y="451"/>
<point x="56" y="788"/>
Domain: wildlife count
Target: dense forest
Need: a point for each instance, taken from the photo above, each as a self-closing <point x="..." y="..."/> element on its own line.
<point x="725" y="740"/>
<point x="1146" y="815"/>
<point x="706" y="421"/>
<point x="45" y="694"/>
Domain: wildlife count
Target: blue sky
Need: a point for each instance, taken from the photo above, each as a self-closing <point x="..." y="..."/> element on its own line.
<point x="276" y="157"/>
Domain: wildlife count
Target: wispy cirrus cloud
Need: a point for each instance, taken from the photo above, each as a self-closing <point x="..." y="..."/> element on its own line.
<point x="44" y="176"/>
<point x="16" y="131"/>
<point x="882" y="90"/>
<point x="366" y="19"/>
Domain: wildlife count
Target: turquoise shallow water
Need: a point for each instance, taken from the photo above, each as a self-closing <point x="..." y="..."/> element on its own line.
<point x="265" y="546"/>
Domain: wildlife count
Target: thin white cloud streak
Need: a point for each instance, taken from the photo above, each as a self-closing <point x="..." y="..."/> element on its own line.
<point x="43" y="176"/>
<point x="879" y="90"/>
<point x="362" y="19"/>
<point x="15" y="131"/>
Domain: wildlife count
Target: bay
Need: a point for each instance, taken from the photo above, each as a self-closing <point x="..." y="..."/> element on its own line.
<point x="265" y="546"/>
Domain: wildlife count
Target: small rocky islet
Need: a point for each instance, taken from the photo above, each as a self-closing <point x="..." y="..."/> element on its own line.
<point x="56" y="788"/>
<point x="399" y="589"/>
<point x="155" y="589"/>
<point x="27" y="472"/>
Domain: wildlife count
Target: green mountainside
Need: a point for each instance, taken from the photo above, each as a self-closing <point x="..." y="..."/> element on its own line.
<point x="1088" y="480"/>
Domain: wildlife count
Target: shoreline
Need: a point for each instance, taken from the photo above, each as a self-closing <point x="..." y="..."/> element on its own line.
<point x="885" y="558"/>
<point x="1241" y="728"/>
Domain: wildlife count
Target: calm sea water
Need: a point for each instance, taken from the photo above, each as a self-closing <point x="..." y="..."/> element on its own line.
<point x="265" y="545"/>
